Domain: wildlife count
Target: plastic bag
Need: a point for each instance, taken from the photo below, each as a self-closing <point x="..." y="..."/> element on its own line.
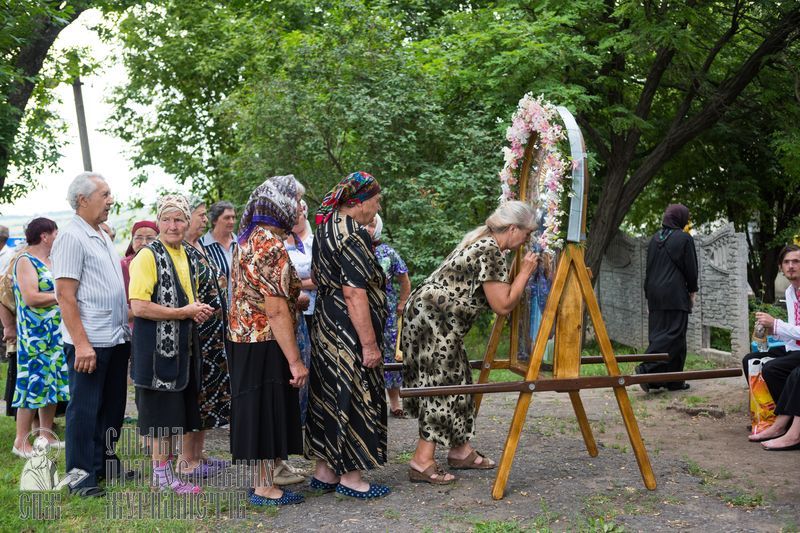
<point x="762" y="406"/>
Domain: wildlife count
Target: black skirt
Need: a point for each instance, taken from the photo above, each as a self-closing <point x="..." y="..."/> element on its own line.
<point x="265" y="408"/>
<point x="166" y="413"/>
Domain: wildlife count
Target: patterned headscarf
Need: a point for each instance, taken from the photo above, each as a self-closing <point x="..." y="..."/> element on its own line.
<point x="274" y="202"/>
<point x="195" y="202"/>
<point x="139" y="225"/>
<point x="352" y="190"/>
<point x="173" y="201"/>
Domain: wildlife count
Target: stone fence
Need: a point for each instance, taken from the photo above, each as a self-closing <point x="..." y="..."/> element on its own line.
<point x="721" y="303"/>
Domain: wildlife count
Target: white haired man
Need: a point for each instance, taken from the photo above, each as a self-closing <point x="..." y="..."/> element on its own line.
<point x="91" y="293"/>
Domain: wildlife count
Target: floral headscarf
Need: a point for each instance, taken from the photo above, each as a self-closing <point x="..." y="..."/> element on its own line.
<point x="352" y="190"/>
<point x="274" y="202"/>
<point x="173" y="201"/>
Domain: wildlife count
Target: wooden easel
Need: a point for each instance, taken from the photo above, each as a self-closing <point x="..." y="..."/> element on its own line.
<point x="564" y="310"/>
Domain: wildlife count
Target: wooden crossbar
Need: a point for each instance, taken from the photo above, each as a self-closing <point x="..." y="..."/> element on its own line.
<point x="585" y="360"/>
<point x="569" y="384"/>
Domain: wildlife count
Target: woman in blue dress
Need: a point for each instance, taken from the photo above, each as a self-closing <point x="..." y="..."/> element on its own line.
<point x="42" y="374"/>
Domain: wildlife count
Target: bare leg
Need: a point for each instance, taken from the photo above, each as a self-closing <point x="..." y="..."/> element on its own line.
<point x="775" y="430"/>
<point x="791" y="437"/>
<point x="424" y="457"/>
<point x="24" y="421"/>
<point x="46" y="416"/>
<point x="394" y="399"/>
<point x="323" y="472"/>
<point x="187" y="460"/>
<point x="264" y="486"/>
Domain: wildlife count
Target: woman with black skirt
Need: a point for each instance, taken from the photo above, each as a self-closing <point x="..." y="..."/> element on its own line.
<point x="265" y="365"/>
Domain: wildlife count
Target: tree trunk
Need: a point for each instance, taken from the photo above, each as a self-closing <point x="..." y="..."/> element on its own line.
<point x="618" y="194"/>
<point x="28" y="61"/>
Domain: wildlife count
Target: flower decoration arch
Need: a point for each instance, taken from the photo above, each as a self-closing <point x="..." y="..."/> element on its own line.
<point x="537" y="171"/>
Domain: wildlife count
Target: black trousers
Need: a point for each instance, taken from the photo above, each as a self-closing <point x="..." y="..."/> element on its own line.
<point x="789" y="401"/>
<point x="775" y="372"/>
<point x="95" y="411"/>
<point x="667" y="333"/>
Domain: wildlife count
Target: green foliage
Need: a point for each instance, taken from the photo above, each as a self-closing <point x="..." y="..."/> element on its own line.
<point x="420" y="93"/>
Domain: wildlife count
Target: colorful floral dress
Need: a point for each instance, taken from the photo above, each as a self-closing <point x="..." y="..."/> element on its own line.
<point x="42" y="373"/>
<point x="392" y="265"/>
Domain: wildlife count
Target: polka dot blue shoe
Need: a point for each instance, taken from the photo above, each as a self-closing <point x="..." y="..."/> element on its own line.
<point x="321" y="486"/>
<point x="375" y="491"/>
<point x="288" y="498"/>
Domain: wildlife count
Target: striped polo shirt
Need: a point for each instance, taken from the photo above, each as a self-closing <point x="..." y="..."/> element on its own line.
<point x="221" y="257"/>
<point x="82" y="253"/>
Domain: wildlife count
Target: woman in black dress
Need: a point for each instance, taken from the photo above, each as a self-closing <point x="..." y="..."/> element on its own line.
<point x="346" y="418"/>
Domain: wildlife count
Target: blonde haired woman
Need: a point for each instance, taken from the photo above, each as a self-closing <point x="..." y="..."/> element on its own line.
<point x="438" y="315"/>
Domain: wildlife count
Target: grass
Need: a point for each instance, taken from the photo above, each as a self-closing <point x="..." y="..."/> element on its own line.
<point x="19" y="512"/>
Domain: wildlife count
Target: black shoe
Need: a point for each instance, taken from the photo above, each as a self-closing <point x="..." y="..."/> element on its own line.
<point x="644" y="386"/>
<point x="678" y="386"/>
<point x="88" y="492"/>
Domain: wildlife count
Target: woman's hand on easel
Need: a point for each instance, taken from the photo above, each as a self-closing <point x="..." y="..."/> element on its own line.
<point x="529" y="263"/>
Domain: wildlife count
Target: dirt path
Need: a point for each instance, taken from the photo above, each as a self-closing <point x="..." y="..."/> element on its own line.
<point x="709" y="476"/>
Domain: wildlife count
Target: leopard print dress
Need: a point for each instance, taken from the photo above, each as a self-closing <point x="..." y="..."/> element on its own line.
<point x="438" y="315"/>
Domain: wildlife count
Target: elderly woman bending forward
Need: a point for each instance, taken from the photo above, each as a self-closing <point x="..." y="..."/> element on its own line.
<point x="166" y="350"/>
<point x="438" y="315"/>
<point x="265" y="365"/>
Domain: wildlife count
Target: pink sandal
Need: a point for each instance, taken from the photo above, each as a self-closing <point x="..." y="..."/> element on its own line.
<point x="165" y="479"/>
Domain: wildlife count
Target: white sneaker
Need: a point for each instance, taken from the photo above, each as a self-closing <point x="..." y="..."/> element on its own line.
<point x="19" y="453"/>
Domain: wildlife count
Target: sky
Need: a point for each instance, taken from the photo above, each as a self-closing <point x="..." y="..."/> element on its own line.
<point x="109" y="154"/>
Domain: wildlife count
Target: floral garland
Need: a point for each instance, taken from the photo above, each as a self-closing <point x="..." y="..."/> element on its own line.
<point x="533" y="115"/>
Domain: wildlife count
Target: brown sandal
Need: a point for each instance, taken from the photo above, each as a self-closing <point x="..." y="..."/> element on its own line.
<point x="399" y="413"/>
<point x="468" y="463"/>
<point x="426" y="476"/>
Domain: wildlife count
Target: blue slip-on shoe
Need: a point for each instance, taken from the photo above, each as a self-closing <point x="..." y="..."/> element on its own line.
<point x="288" y="498"/>
<point x="321" y="486"/>
<point x="375" y="491"/>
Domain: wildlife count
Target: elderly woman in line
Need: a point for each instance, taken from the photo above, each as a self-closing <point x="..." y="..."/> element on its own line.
<point x="166" y="351"/>
<point x="302" y="265"/>
<point x="42" y="373"/>
<point x="265" y="365"/>
<point x="346" y="419"/>
<point x="396" y="272"/>
<point x="143" y="233"/>
<point x="214" y="395"/>
<point x="438" y="314"/>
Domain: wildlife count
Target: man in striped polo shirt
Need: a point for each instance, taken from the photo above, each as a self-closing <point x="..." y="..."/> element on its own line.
<point x="91" y="294"/>
<point x="220" y="241"/>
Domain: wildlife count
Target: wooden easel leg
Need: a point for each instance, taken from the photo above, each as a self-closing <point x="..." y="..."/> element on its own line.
<point x="621" y="394"/>
<point x="488" y="357"/>
<point x="517" y="423"/>
<point x="583" y="422"/>
<point x="635" y="437"/>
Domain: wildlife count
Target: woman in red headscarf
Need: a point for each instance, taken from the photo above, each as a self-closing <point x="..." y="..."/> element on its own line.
<point x="143" y="233"/>
<point x="346" y="416"/>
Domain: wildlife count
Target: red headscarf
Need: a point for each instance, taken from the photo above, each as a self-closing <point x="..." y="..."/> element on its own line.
<point x="138" y="225"/>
